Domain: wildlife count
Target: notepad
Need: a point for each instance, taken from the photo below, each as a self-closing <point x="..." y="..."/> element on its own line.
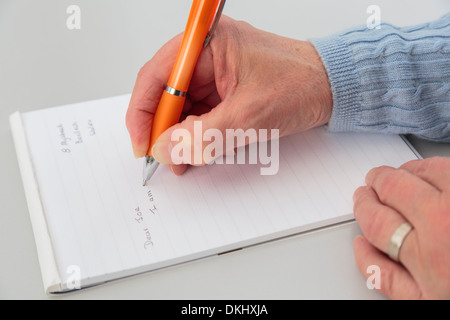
<point x="94" y="222"/>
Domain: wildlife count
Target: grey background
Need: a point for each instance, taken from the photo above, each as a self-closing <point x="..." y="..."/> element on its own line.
<point x="43" y="64"/>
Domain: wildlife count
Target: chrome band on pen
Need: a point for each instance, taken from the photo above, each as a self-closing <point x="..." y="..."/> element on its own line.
<point x="176" y="92"/>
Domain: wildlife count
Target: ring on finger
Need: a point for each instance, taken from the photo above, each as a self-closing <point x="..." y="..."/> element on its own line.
<point x="397" y="239"/>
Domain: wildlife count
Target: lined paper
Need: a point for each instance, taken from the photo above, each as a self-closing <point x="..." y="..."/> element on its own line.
<point x="102" y="220"/>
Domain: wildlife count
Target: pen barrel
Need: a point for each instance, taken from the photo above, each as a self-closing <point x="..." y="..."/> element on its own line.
<point x="167" y="114"/>
<point x="200" y="20"/>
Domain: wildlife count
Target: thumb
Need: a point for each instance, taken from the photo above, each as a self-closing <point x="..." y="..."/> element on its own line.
<point x="197" y="140"/>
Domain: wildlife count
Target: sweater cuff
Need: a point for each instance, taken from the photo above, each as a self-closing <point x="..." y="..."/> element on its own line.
<point x="344" y="80"/>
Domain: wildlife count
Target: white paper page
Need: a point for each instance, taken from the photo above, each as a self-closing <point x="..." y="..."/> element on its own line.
<point x="103" y="222"/>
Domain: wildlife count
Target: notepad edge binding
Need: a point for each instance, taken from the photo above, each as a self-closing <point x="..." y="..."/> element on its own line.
<point x="47" y="262"/>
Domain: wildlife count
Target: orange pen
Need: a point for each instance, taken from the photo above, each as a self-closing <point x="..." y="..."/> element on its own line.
<point x="203" y="18"/>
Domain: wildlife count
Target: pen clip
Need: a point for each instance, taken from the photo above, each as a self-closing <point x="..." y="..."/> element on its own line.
<point x="214" y="23"/>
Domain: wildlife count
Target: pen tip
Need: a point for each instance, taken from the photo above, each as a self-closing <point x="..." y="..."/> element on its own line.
<point x="144" y="183"/>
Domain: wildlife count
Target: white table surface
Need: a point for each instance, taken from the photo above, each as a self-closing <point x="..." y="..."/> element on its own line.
<point x="43" y="64"/>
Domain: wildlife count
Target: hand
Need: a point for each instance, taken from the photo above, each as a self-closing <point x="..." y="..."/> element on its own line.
<point x="417" y="192"/>
<point x="245" y="78"/>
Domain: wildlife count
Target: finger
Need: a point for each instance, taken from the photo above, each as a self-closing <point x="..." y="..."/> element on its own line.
<point x="435" y="171"/>
<point x="395" y="281"/>
<point x="178" y="169"/>
<point x="150" y="83"/>
<point x="185" y="142"/>
<point x="212" y="100"/>
<point x="379" y="222"/>
<point x="197" y="109"/>
<point x="408" y="194"/>
<point x="209" y="101"/>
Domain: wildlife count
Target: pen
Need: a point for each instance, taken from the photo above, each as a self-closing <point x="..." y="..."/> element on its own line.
<point x="203" y="19"/>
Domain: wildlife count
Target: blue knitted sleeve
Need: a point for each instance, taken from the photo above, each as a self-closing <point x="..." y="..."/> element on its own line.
<point x="392" y="80"/>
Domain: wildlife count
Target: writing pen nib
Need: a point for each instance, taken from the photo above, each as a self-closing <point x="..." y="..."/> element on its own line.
<point x="150" y="166"/>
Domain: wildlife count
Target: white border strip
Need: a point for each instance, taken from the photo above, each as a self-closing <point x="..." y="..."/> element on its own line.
<point x="49" y="271"/>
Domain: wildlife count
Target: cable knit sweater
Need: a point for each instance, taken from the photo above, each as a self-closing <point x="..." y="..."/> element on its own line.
<point x="393" y="80"/>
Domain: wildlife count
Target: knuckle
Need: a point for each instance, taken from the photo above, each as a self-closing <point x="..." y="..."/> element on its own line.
<point x="357" y="205"/>
<point x="387" y="185"/>
<point x="434" y="163"/>
<point x="377" y="223"/>
<point x="423" y="166"/>
<point x="440" y="162"/>
<point x="360" y="199"/>
<point x="387" y="278"/>
<point x="142" y="72"/>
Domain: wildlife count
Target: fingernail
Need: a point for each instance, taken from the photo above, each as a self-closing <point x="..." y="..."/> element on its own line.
<point x="178" y="170"/>
<point x="171" y="166"/>
<point x="161" y="151"/>
<point x="138" y="152"/>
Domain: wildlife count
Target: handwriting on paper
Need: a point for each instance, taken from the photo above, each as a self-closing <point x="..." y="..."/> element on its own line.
<point x="151" y="199"/>
<point x="141" y="219"/>
<point x="69" y="136"/>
